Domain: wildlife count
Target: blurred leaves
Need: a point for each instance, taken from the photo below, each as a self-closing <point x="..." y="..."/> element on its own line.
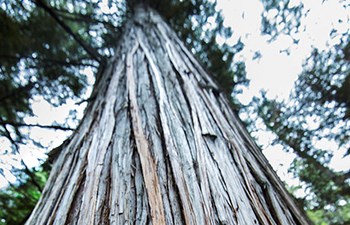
<point x="314" y="123"/>
<point x="18" y="200"/>
<point x="282" y="17"/>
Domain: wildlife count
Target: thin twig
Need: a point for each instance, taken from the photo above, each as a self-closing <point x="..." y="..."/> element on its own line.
<point x="49" y="61"/>
<point x="16" y="124"/>
<point x="29" y="173"/>
<point x="83" y="18"/>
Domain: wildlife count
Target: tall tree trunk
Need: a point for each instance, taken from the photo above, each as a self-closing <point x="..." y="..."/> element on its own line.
<point x="160" y="145"/>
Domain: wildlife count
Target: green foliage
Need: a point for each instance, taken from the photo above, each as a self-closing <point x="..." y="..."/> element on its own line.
<point x="37" y="58"/>
<point x="334" y="216"/>
<point x="18" y="200"/>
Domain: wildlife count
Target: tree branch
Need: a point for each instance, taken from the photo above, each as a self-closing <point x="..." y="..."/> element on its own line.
<point x="16" y="124"/>
<point x="91" y="51"/>
<point x="77" y="17"/>
<point x="27" y="170"/>
<point x="17" y="91"/>
<point x="50" y="60"/>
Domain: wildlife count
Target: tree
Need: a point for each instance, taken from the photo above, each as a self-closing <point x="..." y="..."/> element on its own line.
<point x="159" y="144"/>
<point x="314" y="122"/>
<point x="317" y="112"/>
<point x="47" y="45"/>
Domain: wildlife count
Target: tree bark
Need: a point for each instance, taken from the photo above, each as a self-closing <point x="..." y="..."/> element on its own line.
<point x="160" y="145"/>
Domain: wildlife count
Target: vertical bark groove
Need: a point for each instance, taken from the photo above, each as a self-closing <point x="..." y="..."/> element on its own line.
<point x="142" y="145"/>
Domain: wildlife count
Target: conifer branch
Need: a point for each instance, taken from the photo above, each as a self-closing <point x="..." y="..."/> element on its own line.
<point x="78" y="17"/>
<point x="16" y="124"/>
<point x="47" y="61"/>
<point x="26" y="168"/>
<point x="91" y="51"/>
<point x="17" y="92"/>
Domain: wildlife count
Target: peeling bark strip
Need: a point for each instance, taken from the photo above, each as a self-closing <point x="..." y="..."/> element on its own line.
<point x="147" y="162"/>
<point x="155" y="147"/>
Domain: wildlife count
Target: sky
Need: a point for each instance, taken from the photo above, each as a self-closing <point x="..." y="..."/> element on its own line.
<point x="275" y="72"/>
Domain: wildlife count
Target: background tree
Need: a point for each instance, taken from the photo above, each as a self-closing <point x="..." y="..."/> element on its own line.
<point x="314" y="124"/>
<point x="314" y="121"/>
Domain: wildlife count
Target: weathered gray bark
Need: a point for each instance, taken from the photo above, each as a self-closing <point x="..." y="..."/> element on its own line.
<point x="160" y="145"/>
